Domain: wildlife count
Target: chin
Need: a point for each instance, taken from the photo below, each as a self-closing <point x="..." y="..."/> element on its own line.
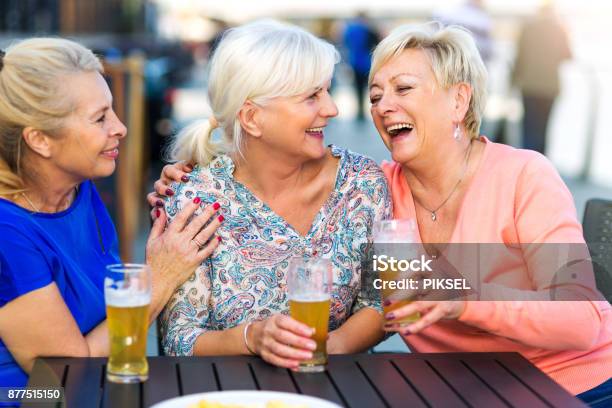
<point x="317" y="152"/>
<point x="104" y="171"/>
<point x="402" y="155"/>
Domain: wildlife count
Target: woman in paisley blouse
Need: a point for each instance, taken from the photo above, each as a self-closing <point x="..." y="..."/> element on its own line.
<point x="282" y="194"/>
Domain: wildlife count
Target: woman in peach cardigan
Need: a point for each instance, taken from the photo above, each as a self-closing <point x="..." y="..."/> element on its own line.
<point x="427" y="89"/>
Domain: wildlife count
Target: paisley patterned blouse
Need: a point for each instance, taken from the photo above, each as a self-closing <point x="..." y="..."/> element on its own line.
<point x="245" y="278"/>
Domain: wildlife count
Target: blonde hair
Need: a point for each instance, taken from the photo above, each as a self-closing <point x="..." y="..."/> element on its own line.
<point x="256" y="62"/>
<point x="32" y="74"/>
<point x="454" y="59"/>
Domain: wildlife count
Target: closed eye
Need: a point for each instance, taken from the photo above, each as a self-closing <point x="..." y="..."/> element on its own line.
<point x="404" y="88"/>
<point x="101" y="119"/>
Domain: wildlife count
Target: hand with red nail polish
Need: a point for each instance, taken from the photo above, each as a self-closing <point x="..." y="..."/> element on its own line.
<point x="429" y="312"/>
<point x="174" y="252"/>
<point x="171" y="173"/>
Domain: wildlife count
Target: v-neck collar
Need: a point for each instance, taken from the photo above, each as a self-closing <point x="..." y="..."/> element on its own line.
<point x="223" y="166"/>
<point x="466" y="197"/>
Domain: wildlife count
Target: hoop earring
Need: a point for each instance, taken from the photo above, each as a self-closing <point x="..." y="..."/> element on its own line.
<point x="457" y="133"/>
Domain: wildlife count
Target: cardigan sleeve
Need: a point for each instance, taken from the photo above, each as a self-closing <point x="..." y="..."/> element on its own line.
<point x="545" y="219"/>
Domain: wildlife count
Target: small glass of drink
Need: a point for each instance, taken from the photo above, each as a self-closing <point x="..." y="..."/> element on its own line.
<point x="127" y="292"/>
<point x="397" y="239"/>
<point x="309" y="283"/>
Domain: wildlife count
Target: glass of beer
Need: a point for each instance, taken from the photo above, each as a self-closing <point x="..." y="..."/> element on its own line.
<point x="127" y="292"/>
<point x="397" y="239"/>
<point x="309" y="283"/>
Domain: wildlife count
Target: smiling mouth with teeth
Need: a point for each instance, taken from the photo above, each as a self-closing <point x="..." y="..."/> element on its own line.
<point x="315" y="130"/>
<point x="395" y="130"/>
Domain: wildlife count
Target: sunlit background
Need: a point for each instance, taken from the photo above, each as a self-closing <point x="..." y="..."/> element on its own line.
<point x="156" y="53"/>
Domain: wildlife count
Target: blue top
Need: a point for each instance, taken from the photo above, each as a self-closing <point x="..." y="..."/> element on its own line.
<point x="70" y="248"/>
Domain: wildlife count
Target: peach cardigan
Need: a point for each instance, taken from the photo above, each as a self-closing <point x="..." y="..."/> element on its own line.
<point x="517" y="196"/>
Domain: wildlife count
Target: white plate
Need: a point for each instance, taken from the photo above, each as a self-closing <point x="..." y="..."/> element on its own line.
<point x="255" y="399"/>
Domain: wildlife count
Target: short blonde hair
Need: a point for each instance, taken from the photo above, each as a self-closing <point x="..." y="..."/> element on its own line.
<point x="32" y="74"/>
<point x="254" y="62"/>
<point x="454" y="59"/>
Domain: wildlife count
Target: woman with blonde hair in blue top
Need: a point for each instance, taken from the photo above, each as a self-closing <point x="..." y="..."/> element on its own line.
<point x="58" y="131"/>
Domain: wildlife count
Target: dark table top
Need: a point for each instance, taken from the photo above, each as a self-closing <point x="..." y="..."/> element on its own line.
<point x="358" y="380"/>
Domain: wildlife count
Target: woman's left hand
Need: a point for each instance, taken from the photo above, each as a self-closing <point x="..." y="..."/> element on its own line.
<point x="431" y="311"/>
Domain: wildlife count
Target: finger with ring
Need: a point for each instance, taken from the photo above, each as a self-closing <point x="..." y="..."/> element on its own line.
<point x="196" y="241"/>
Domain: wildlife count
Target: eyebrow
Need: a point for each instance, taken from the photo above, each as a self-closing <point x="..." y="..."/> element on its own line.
<point x="99" y="110"/>
<point x="404" y="73"/>
<point x="394" y="77"/>
<point x="309" y="92"/>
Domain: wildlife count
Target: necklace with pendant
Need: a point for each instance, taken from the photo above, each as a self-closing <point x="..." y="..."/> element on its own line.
<point x="434" y="216"/>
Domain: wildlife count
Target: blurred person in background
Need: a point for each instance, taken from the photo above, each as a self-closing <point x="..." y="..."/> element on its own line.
<point x="428" y="90"/>
<point x="284" y="194"/>
<point x="58" y="131"/>
<point x="542" y="47"/>
<point x="359" y="39"/>
<point x="473" y="16"/>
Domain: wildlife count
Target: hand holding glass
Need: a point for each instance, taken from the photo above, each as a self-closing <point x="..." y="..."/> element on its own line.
<point x="395" y="238"/>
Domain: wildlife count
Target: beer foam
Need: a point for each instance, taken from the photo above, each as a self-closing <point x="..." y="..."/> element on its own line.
<point x="129" y="297"/>
<point x="310" y="297"/>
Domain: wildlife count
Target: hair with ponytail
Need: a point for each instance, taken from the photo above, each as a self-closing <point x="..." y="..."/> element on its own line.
<point x="254" y="62"/>
<point x="194" y="145"/>
<point x="32" y="73"/>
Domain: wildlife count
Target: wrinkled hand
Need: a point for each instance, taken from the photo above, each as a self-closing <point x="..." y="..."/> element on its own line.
<point x="282" y="341"/>
<point x="430" y="312"/>
<point x="173" y="253"/>
<point x="171" y="173"/>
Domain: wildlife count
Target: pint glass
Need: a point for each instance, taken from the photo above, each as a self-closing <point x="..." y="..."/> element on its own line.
<point x="127" y="292"/>
<point x="395" y="238"/>
<point x="309" y="283"/>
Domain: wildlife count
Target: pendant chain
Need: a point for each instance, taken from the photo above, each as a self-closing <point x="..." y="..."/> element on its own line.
<point x="434" y="216"/>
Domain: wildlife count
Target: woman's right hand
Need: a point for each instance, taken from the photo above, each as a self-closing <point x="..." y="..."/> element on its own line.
<point x="177" y="172"/>
<point x="282" y="341"/>
<point x="174" y="252"/>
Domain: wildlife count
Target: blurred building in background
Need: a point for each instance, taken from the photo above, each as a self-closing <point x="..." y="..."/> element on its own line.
<point x="157" y="52"/>
<point x="142" y="70"/>
<point x="73" y="16"/>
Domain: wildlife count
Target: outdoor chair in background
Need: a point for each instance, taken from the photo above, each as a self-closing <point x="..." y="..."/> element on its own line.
<point x="597" y="229"/>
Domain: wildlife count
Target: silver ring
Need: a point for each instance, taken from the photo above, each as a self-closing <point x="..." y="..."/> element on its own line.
<point x="197" y="242"/>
